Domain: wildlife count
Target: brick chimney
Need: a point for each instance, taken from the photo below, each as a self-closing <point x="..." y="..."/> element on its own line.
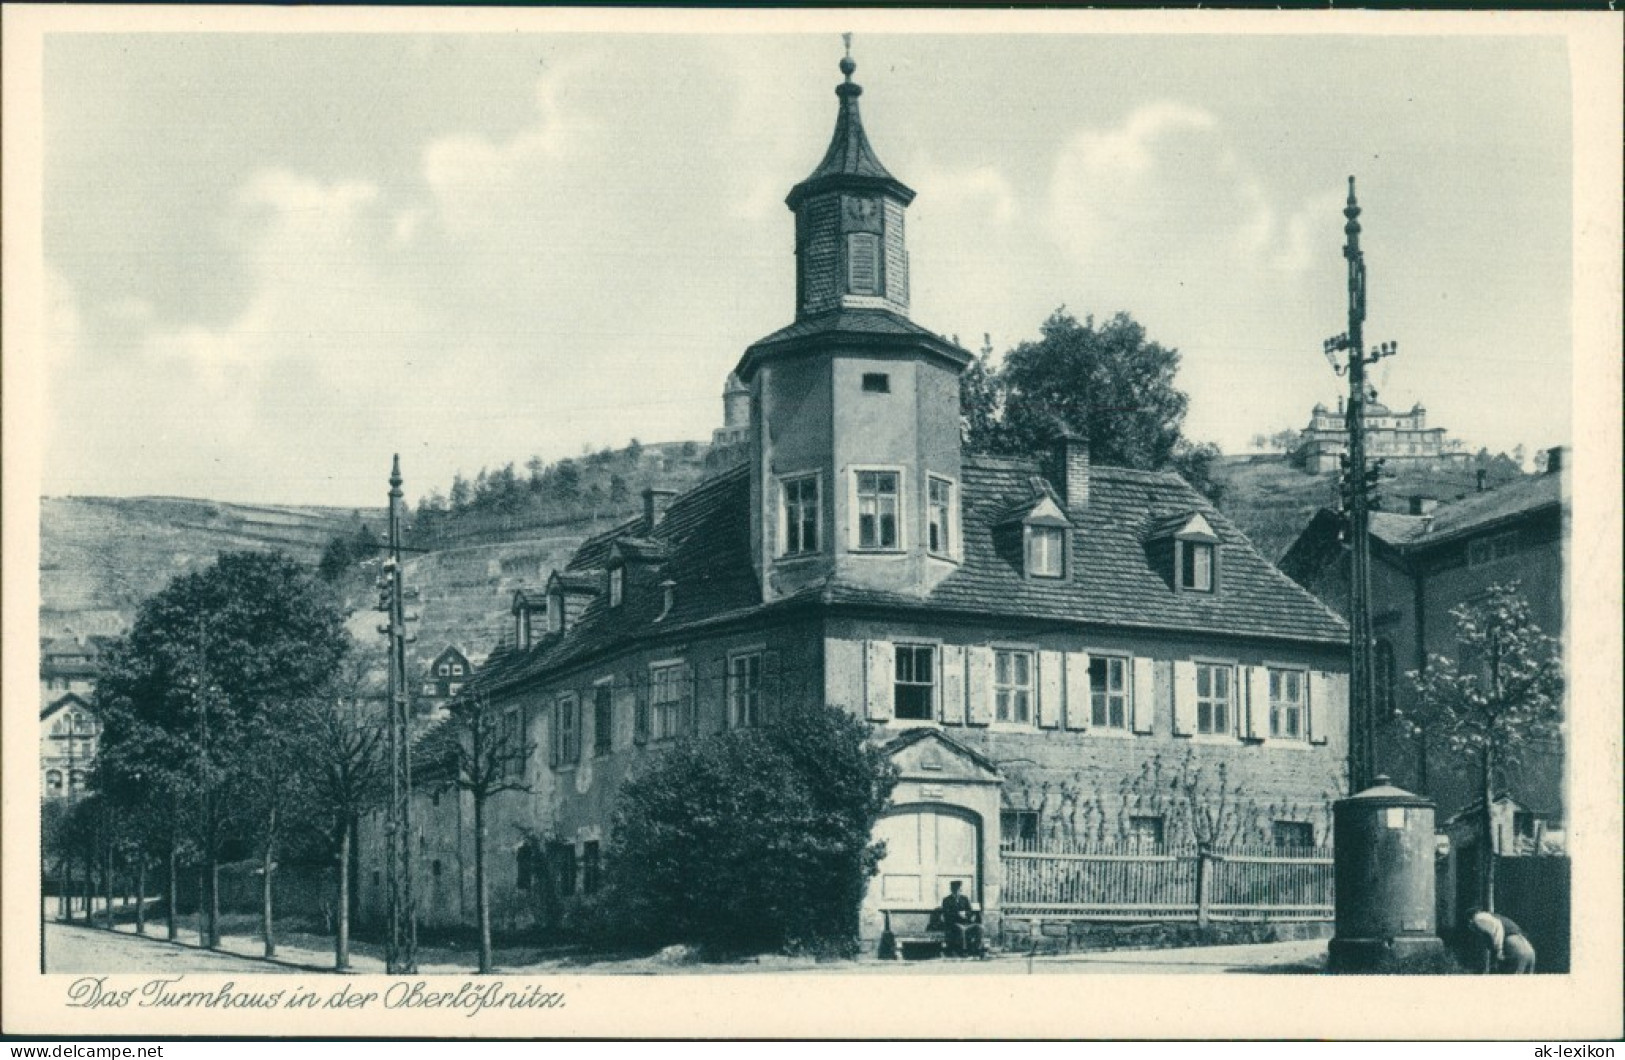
<point x="1554" y="459"/>
<point x="1069" y="468"/>
<point x="655" y="501"/>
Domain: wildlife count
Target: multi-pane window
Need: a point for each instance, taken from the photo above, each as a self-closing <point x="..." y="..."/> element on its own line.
<point x="1293" y="834"/>
<point x="1196" y="567"/>
<point x="801" y="515"/>
<point x="566" y="735"/>
<point x="1018" y="828"/>
<point x="916" y="682"/>
<point x="1145" y="831"/>
<point x="1013" y="686"/>
<point x="1046" y="547"/>
<point x="1214" y="690"/>
<point x="939" y="500"/>
<point x="511" y="746"/>
<point x="1489" y="549"/>
<point x="1108" y="692"/>
<point x="603" y="719"/>
<point x="877" y="509"/>
<point x="445" y="670"/>
<point x="1286" y="704"/>
<point x="666" y="700"/>
<point x="745" y="690"/>
<point x="617" y="585"/>
<point x="53" y="782"/>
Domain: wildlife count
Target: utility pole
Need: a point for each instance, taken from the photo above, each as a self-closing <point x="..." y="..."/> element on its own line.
<point x="1358" y="499"/>
<point x="401" y="956"/>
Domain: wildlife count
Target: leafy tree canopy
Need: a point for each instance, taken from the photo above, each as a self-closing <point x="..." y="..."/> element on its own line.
<point x="1107" y="382"/>
<point x="754" y="840"/>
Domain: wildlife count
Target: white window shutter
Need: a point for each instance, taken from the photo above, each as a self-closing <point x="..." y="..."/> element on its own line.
<point x="843" y="675"/>
<point x="881" y="676"/>
<point x="1144" y="691"/>
<point x="1328" y="706"/>
<point x="1077" y="690"/>
<point x="979" y="685"/>
<point x="1258" y="702"/>
<point x="1050" y="685"/>
<point x="1184" y="697"/>
<point x="953" y="684"/>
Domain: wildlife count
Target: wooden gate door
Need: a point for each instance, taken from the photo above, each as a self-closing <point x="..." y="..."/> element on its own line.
<point x="927" y="848"/>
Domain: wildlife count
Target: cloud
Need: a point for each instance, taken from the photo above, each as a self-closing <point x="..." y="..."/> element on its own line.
<point x="1167" y="189"/>
<point x="473" y="177"/>
<point x="984" y="192"/>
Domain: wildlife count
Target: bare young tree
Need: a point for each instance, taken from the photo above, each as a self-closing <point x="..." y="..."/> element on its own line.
<point x="349" y="778"/>
<point x="1497" y="700"/>
<point x="491" y="751"/>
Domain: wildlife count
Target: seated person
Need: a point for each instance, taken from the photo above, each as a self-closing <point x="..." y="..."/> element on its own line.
<point x="961" y="924"/>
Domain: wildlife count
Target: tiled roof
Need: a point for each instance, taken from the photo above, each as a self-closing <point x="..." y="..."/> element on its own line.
<point x="581" y="581"/>
<point x="849" y="159"/>
<point x="1473" y="512"/>
<point x="851" y="322"/>
<point x="1113" y="581"/>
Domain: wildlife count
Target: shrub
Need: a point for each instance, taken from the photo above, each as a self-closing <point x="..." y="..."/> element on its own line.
<point x="753" y="840"/>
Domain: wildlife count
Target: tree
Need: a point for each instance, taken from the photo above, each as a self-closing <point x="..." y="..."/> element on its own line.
<point x="755" y="839"/>
<point x="980" y="404"/>
<point x="207" y="659"/>
<point x="1107" y="382"/>
<point x="1502" y="695"/>
<point x="348" y="775"/>
<point x="488" y="752"/>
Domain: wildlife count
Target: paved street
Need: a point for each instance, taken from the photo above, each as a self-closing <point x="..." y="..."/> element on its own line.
<point x="72" y="948"/>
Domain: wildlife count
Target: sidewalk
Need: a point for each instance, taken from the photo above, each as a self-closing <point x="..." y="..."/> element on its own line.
<point x="1303" y="957"/>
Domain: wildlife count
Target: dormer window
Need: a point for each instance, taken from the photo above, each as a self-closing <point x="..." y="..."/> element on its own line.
<point x="1186" y="548"/>
<point x="1046" y="551"/>
<point x="1196" y="566"/>
<point x="617" y="585"/>
<point x="555" y="612"/>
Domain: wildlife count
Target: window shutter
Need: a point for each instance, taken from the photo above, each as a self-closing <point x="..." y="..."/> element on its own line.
<point x="1050" y="684"/>
<point x="1144" y="693"/>
<point x="953" y="684"/>
<point x="1184" y="697"/>
<point x="979" y="685"/>
<point x="555" y="754"/>
<point x="1328" y="704"/>
<point x="771" y="686"/>
<point x="640" y="717"/>
<point x="1258" y="702"/>
<point x="881" y="673"/>
<point x="1077" y="690"/>
<point x="843" y="675"/>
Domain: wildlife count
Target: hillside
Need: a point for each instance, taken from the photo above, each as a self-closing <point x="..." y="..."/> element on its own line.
<point x="101" y="556"/>
<point x="1272" y="501"/>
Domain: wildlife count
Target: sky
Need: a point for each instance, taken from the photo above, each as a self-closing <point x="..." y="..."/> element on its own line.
<point x="272" y="261"/>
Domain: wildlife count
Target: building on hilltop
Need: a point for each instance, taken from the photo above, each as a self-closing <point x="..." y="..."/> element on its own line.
<point x="1397" y="437"/>
<point x="1042" y="644"/>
